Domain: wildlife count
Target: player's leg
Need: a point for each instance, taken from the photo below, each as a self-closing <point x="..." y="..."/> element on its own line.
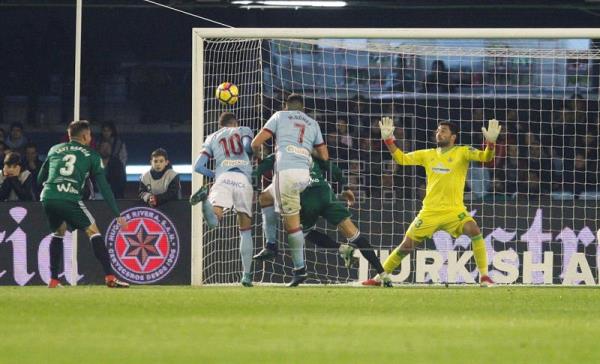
<point x="54" y="211"/>
<point x="312" y="206"/>
<point x="242" y="198"/>
<point x="351" y="232"/>
<point x="207" y="208"/>
<point x="472" y="230"/>
<point x="270" y="219"/>
<point x="288" y="186"/>
<point x="101" y="254"/>
<point x="80" y="218"/>
<point x="246" y="247"/>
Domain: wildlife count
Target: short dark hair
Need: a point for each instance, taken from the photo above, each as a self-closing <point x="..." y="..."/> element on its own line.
<point x="160" y="152"/>
<point x="296" y="101"/>
<point x="453" y="127"/>
<point x="110" y="125"/>
<point x="12" y="158"/>
<point x="227" y="118"/>
<point x="77" y="127"/>
<point x="16" y="124"/>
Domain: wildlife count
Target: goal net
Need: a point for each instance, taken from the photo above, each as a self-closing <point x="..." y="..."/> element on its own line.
<point x="536" y="202"/>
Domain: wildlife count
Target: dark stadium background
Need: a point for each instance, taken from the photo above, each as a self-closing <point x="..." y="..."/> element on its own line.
<point x="37" y="42"/>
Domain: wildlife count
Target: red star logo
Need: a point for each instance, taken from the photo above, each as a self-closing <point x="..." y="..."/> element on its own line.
<point x="142" y="245"/>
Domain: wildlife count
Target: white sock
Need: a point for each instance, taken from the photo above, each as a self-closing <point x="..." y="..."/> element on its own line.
<point x="296" y="243"/>
<point x="270" y="219"/>
<point x="246" y="250"/>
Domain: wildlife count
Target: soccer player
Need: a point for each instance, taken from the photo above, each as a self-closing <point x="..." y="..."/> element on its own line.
<point x="230" y="147"/>
<point x="63" y="175"/>
<point x="443" y="208"/>
<point x="316" y="200"/>
<point x="297" y="136"/>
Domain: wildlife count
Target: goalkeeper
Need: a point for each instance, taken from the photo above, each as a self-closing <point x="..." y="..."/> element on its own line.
<point x="443" y="208"/>
<point x="318" y="199"/>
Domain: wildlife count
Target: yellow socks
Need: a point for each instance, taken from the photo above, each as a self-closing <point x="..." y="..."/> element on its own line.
<point x="478" y="245"/>
<point x="393" y="260"/>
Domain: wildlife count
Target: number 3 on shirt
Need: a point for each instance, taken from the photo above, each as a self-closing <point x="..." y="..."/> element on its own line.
<point x="69" y="167"/>
<point x="301" y="134"/>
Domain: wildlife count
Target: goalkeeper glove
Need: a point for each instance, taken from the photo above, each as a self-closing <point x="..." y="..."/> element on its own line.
<point x="492" y="131"/>
<point x="386" y="125"/>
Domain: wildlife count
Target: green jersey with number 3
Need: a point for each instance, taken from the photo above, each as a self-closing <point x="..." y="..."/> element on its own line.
<point x="65" y="170"/>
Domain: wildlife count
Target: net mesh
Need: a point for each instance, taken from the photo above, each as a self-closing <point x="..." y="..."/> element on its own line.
<point x="538" y="195"/>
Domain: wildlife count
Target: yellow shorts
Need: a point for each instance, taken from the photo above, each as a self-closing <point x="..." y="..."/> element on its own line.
<point x="428" y="222"/>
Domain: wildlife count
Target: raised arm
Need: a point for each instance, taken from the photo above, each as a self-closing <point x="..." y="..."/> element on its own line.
<point x="200" y="166"/>
<point x="387" y="134"/>
<point x="491" y="135"/>
<point x="259" y="140"/>
<point x="321" y="152"/>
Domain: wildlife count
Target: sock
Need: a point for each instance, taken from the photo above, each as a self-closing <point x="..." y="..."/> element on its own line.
<point x="209" y="215"/>
<point x="478" y="245"/>
<point x="296" y="242"/>
<point x="393" y="261"/>
<point x="270" y="219"/>
<point x="322" y="240"/>
<point x="56" y="255"/>
<point x="246" y="249"/>
<point x="367" y="251"/>
<point x="101" y="253"/>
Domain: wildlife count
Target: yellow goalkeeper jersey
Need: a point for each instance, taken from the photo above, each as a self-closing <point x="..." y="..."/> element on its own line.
<point x="446" y="173"/>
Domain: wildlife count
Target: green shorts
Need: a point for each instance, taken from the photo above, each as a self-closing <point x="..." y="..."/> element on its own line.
<point x="321" y="201"/>
<point x="74" y="213"/>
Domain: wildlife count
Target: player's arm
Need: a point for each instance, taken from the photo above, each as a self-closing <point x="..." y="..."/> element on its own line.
<point x="491" y="135"/>
<point x="43" y="174"/>
<point x="387" y="134"/>
<point x="247" y="141"/>
<point x="102" y="183"/>
<point x="260" y="139"/>
<point x="200" y="165"/>
<point x="320" y="148"/>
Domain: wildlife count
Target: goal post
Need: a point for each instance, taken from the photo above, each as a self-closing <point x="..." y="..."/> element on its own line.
<point x="537" y="203"/>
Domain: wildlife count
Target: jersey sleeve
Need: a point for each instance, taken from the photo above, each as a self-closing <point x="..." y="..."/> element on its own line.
<point x="271" y="125"/>
<point x="246" y="132"/>
<point x="97" y="166"/>
<point x="473" y="154"/>
<point x="206" y="148"/>
<point x="415" y="158"/>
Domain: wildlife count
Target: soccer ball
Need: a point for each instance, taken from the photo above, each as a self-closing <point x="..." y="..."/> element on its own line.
<point x="227" y="93"/>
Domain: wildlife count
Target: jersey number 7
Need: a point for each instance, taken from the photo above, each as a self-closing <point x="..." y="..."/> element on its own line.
<point x="301" y="134"/>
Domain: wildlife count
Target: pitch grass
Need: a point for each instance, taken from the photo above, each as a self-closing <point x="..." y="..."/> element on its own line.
<point x="87" y="325"/>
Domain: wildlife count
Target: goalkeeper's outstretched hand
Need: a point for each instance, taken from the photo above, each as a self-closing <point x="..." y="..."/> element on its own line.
<point x="492" y="131"/>
<point x="386" y="125"/>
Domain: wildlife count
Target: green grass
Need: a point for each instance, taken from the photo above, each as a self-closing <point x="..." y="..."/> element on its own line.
<point x="305" y="325"/>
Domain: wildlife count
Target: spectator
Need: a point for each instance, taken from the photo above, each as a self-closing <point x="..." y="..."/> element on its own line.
<point x="506" y="177"/>
<point x="114" y="169"/>
<point x="3" y="150"/>
<point x="33" y="163"/>
<point x="340" y="142"/>
<point x="577" y="178"/>
<point x="438" y="81"/>
<point x="110" y="135"/>
<point x="16" y="183"/>
<point x="161" y="183"/>
<point x="16" y="140"/>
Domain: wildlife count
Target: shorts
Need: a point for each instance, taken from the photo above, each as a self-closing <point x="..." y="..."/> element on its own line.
<point x="321" y="201"/>
<point x="428" y="222"/>
<point x="288" y="185"/>
<point x="232" y="190"/>
<point x="74" y="213"/>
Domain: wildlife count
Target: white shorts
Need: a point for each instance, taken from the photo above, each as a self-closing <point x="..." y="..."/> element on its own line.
<point x="286" y="188"/>
<point x="232" y="190"/>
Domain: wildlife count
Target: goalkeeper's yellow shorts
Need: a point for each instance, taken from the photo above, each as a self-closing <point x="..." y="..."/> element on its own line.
<point x="428" y="222"/>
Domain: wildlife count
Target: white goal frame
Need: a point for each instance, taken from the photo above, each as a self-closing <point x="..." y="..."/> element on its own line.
<point x="199" y="34"/>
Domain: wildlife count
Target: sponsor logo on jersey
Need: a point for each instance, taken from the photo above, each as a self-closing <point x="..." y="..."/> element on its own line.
<point x="233" y="183"/>
<point x="147" y="249"/>
<point x="67" y="188"/>
<point x="441" y="169"/>
<point x="234" y="163"/>
<point x="295" y="150"/>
